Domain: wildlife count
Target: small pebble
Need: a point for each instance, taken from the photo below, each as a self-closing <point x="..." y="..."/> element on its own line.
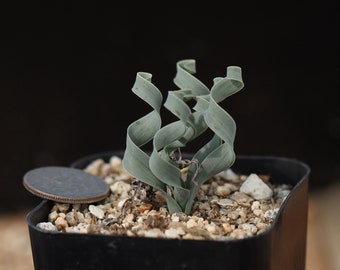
<point x="47" y="226"/>
<point x="96" y="211"/>
<point x="256" y="188"/>
<point x="225" y="207"/>
<point x="271" y="213"/>
<point x="225" y="202"/>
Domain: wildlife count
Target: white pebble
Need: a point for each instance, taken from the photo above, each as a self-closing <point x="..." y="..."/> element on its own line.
<point x="257" y="212"/>
<point x="238" y="233"/>
<point x="255" y="187"/>
<point x="94" y="167"/>
<point x="248" y="228"/>
<point x="225" y="202"/>
<point x="115" y="162"/>
<point x="282" y="194"/>
<point x="109" y="180"/>
<point x="121" y="203"/>
<point x="47" y="226"/>
<point x="120" y="187"/>
<point x="229" y="174"/>
<point x="105" y="169"/>
<point x="174" y="232"/>
<point x="261" y="226"/>
<point x="255" y="205"/>
<point x="53" y="216"/>
<point x="271" y="213"/>
<point x="80" y="228"/>
<point x="96" y="211"/>
<point x="155" y="232"/>
<point x="228" y="227"/>
<point x="71" y="218"/>
<point x="191" y="223"/>
<point x="80" y="217"/>
<point x="212" y="228"/>
<point x="233" y="215"/>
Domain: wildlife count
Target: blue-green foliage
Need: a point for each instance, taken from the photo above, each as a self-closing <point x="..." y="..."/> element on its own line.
<point x="161" y="168"/>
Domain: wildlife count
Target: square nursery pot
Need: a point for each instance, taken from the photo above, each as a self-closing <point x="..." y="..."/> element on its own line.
<point x="282" y="246"/>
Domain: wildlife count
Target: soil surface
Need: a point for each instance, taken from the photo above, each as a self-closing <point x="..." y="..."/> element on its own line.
<point x="224" y="208"/>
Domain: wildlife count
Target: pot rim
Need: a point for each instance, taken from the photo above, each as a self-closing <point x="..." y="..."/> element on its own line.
<point x="266" y="233"/>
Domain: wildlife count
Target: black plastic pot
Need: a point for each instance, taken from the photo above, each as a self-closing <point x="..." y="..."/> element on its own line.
<point x="282" y="246"/>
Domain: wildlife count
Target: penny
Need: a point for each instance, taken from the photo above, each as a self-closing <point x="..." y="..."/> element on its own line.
<point x="65" y="185"/>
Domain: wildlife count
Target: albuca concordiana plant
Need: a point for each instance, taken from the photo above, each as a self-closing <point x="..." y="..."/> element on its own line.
<point x="161" y="169"/>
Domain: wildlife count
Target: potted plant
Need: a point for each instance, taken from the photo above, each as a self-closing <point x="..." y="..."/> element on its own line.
<point x="175" y="209"/>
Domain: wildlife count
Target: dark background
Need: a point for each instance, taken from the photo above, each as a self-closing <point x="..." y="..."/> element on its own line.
<point x="66" y="73"/>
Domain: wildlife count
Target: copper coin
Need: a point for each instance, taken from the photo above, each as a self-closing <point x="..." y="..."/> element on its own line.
<point x="65" y="185"/>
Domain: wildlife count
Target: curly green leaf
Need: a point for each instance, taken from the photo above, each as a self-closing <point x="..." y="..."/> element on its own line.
<point x="162" y="169"/>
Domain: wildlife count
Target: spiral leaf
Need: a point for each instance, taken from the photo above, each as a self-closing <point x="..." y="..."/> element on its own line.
<point x="162" y="169"/>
